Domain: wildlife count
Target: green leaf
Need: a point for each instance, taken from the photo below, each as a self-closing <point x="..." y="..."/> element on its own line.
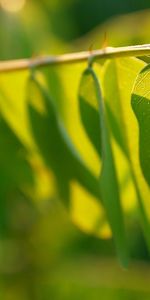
<point x="86" y="211"/>
<point x="54" y="143"/>
<point x="118" y="79"/>
<point x="62" y="82"/>
<point x="13" y="103"/>
<point x="15" y="172"/>
<point x="5" y="187"/>
<point x="108" y="178"/>
<point x="141" y="107"/>
<point x="13" y="157"/>
<point x="89" y="110"/>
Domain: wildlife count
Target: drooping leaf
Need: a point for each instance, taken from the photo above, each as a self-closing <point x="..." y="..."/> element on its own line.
<point x="90" y="120"/>
<point x="89" y="110"/>
<point x="108" y="178"/>
<point x="63" y="85"/>
<point x="62" y="82"/>
<point x="54" y="143"/>
<point x="119" y="76"/>
<point x="13" y="109"/>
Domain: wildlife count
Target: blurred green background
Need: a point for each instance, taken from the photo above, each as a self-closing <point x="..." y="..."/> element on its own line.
<point x="44" y="256"/>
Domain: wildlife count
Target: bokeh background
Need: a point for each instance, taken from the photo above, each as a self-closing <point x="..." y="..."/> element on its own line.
<point x="49" y="257"/>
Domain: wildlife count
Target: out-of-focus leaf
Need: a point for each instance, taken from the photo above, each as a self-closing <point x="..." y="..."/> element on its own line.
<point x="54" y="143"/>
<point x="15" y="172"/>
<point x="108" y="178"/>
<point x="13" y="157"/>
<point x="13" y="108"/>
<point x="121" y="31"/>
<point x="87" y="213"/>
<point x="119" y="76"/>
<point x="5" y="187"/>
<point x="141" y="106"/>
<point x="13" y="103"/>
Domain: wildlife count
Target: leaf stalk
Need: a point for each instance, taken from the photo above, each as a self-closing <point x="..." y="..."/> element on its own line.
<point x="106" y="53"/>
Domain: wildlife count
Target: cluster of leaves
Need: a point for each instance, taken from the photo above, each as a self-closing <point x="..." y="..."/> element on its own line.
<point x="84" y="129"/>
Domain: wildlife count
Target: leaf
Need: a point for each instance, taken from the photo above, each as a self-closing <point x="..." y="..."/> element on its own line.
<point x="86" y="210"/>
<point x="118" y="79"/>
<point x="13" y="108"/>
<point x="122" y="31"/>
<point x="54" y="143"/>
<point x="89" y="110"/>
<point x="15" y="172"/>
<point x="62" y="82"/>
<point x="141" y="107"/>
<point x="5" y="187"/>
<point x="13" y="103"/>
<point x="13" y="157"/>
<point x="108" y="178"/>
<point x="87" y="213"/>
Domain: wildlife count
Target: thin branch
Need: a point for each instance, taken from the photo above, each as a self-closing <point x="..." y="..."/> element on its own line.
<point x="109" y="52"/>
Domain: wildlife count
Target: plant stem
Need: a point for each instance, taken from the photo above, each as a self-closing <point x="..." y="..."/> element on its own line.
<point x="106" y="53"/>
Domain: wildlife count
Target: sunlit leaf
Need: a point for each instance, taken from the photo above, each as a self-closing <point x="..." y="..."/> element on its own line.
<point x="108" y="178"/>
<point x="13" y="108"/>
<point x="54" y="143"/>
<point x="65" y="99"/>
<point x="13" y="103"/>
<point x="87" y="213"/>
<point x="119" y="76"/>
<point x="89" y="110"/>
<point x="141" y="106"/>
